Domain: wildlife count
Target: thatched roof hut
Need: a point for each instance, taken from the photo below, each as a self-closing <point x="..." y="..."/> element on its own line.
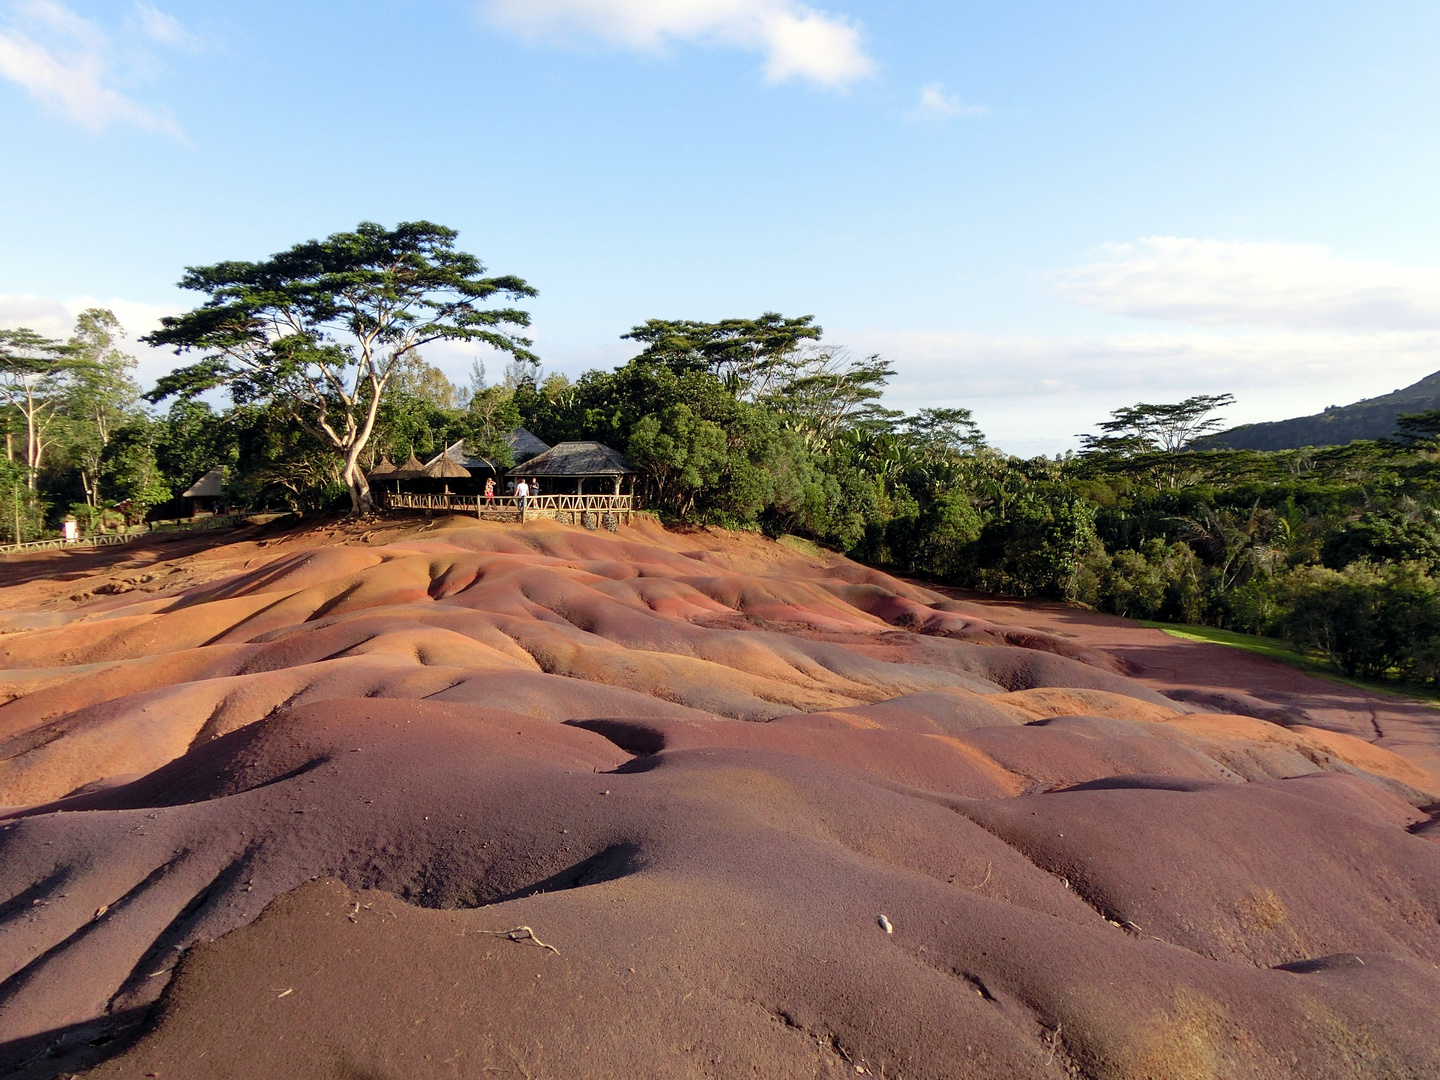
<point x="384" y="471"/>
<point x="572" y="459"/>
<point x="411" y="470"/>
<point x="446" y="467"/>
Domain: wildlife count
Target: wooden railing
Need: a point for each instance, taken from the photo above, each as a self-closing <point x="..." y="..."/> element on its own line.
<point x="591" y="511"/>
<point x="134" y="532"/>
<point x="405" y="500"/>
<point x="53" y="542"/>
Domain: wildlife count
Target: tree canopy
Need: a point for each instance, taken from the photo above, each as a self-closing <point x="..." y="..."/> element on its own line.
<point x="1143" y="428"/>
<point x="320" y="330"/>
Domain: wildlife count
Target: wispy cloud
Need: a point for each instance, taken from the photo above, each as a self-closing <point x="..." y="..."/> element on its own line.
<point x="1247" y="283"/>
<point x="164" y="29"/>
<point x="936" y="104"/>
<point x="77" y="68"/>
<point x="796" y="41"/>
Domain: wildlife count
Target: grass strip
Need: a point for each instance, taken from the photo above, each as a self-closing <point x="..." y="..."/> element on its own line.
<point x="1276" y="649"/>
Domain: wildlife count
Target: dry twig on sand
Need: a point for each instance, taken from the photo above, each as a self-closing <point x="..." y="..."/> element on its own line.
<point x="519" y="933"/>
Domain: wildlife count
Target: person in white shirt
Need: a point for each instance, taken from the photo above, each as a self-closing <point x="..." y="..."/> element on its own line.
<point x="522" y="491"/>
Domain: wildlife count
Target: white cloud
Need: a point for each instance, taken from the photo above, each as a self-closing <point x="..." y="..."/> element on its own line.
<point x="936" y="104"/>
<point x="796" y="40"/>
<point x="74" y="66"/>
<point x="164" y="29"/>
<point x="1245" y="283"/>
<point x="56" y="319"/>
<point x="1032" y="393"/>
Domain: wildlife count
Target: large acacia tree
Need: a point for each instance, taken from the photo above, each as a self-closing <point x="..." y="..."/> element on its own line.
<point x="321" y="330"/>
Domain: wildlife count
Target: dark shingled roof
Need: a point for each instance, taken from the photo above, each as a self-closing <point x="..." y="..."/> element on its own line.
<point x="576" y="459"/>
<point x="525" y="445"/>
<point x="457" y="453"/>
<point x="209" y="486"/>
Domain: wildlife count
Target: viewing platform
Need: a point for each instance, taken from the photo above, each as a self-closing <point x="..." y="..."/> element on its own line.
<point x="589" y="511"/>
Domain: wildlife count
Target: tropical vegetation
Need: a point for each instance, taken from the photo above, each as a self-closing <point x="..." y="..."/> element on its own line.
<point x="305" y="369"/>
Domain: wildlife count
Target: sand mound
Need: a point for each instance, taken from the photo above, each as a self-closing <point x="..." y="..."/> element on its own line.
<point x="282" y="820"/>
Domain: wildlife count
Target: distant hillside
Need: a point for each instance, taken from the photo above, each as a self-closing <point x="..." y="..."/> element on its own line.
<point x="1373" y="418"/>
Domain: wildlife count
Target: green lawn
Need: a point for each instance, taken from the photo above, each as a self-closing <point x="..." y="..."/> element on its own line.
<point x="1278" y="650"/>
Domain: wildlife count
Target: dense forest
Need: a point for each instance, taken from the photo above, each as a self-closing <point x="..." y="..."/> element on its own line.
<point x="747" y="423"/>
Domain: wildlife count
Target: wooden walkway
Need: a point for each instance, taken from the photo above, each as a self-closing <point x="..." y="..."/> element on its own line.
<point x="589" y="511"/>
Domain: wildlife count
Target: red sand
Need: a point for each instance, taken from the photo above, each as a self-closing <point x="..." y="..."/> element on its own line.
<point x="277" y="802"/>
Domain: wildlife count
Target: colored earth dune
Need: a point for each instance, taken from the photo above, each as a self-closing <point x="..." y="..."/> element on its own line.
<point x="483" y="801"/>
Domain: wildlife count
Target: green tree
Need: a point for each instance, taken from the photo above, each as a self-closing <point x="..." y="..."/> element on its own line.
<point x="944" y="431"/>
<point x="193" y="439"/>
<point x="1144" y="428"/>
<point x="319" y="331"/>
<point x="830" y="392"/>
<point x="132" y="473"/>
<point x="681" y="453"/>
<point x="418" y="378"/>
<point x="1365" y="619"/>
<point x="1037" y="544"/>
<point x="1385" y="536"/>
<point x="279" y="462"/>
<point x="34" y="376"/>
<point x="100" y="395"/>
<point x="754" y="357"/>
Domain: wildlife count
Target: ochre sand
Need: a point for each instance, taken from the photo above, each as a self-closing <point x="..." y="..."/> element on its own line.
<point x="280" y="803"/>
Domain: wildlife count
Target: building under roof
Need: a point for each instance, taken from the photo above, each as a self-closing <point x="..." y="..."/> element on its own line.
<point x="457" y="453"/>
<point x="207" y="492"/>
<point x="578" y="461"/>
<point x="209" y="486"/>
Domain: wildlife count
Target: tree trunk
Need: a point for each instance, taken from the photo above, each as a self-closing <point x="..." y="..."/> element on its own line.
<point x="361" y="501"/>
<point x="32" y="449"/>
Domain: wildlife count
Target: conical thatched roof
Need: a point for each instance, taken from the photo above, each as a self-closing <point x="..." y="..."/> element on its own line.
<point x="576" y="459"/>
<point x="445" y="466"/>
<point x="412" y="468"/>
<point x="384" y="470"/>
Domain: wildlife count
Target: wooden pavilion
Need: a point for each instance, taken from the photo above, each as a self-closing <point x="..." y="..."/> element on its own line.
<point x="587" y="467"/>
<point x="444" y="467"/>
<point x="582" y="483"/>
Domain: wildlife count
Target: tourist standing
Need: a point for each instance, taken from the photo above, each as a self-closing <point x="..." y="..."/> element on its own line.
<point x="490" y="491"/>
<point x="522" y="492"/>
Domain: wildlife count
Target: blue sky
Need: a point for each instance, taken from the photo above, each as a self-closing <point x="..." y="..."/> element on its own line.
<point x="1041" y="211"/>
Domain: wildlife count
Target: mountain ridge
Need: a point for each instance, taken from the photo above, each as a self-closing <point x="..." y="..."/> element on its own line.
<point x="1370" y="418"/>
